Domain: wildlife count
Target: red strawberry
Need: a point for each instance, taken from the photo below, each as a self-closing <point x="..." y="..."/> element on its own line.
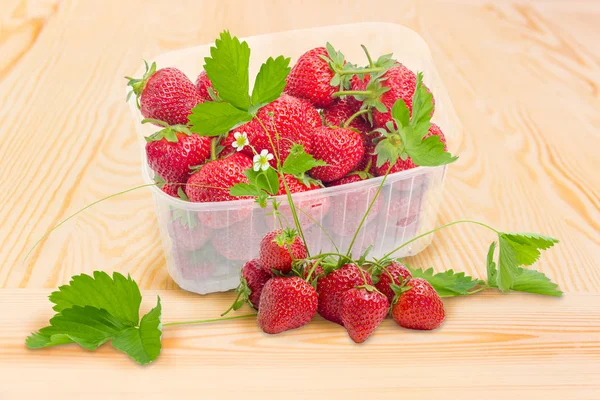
<point x="212" y="180"/>
<point x="362" y="310"/>
<point x="348" y="211"/>
<point x="204" y="84"/>
<point x="402" y="83"/>
<point x="294" y="185"/>
<point x="286" y="303"/>
<point x="395" y="273"/>
<point x="277" y="249"/>
<point x="309" y="210"/>
<point x="256" y="278"/>
<point x="419" y="307"/>
<point x="317" y="271"/>
<point x="166" y="95"/>
<point x="186" y="231"/>
<point x="403" y="165"/>
<point x="332" y="286"/>
<point x="310" y="78"/>
<point x="196" y="266"/>
<point x="292" y="119"/>
<point x="172" y="151"/>
<point x="171" y="190"/>
<point x="237" y="241"/>
<point x="340" y="111"/>
<point x="340" y="148"/>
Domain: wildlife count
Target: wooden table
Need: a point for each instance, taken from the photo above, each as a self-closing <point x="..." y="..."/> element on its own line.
<point x="525" y="80"/>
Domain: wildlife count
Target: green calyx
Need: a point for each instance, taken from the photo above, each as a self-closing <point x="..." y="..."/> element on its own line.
<point x="169" y="132"/>
<point x="138" y="85"/>
<point x="286" y="237"/>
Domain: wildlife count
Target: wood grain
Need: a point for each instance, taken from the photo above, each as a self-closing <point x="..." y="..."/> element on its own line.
<point x="524" y="77"/>
<point x="495" y="345"/>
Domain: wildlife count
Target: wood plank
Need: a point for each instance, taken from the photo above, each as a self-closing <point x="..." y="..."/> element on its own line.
<point x="494" y="345"/>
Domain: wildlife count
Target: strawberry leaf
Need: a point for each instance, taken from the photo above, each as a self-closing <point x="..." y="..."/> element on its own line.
<point x="401" y="113"/>
<point x="492" y="271"/>
<point x="531" y="281"/>
<point x="299" y="161"/>
<point x="448" y="283"/>
<point x="214" y="119"/>
<point x="427" y="152"/>
<point x="227" y="68"/>
<point x="270" y="81"/>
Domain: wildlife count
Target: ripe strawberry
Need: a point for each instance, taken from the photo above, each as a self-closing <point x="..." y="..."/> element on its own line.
<point x="277" y="248"/>
<point x="340" y="111"/>
<point x="332" y="286"/>
<point x="292" y="119"/>
<point x="395" y="273"/>
<point x="310" y="78"/>
<point x="286" y="303"/>
<point x="317" y="272"/>
<point x="403" y="165"/>
<point x="204" y="84"/>
<point x="294" y="185"/>
<point x="166" y="95"/>
<point x="362" y="310"/>
<point x="340" y="148"/>
<point x="212" y="180"/>
<point x="309" y="210"/>
<point x="419" y="307"/>
<point x="402" y="83"/>
<point x="172" y="151"/>
<point x="348" y="211"/>
<point x="237" y="241"/>
<point x="196" y="265"/>
<point x="256" y="278"/>
<point x="186" y="231"/>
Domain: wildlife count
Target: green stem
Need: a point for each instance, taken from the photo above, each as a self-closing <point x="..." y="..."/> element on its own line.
<point x="360" y="71"/>
<point x="352" y="93"/>
<point x="312" y="270"/>
<point x="322" y="255"/>
<point x="213" y="148"/>
<point x="364" y="218"/>
<point x="353" y="116"/>
<point x="371" y="64"/>
<point x="155" y="121"/>
<point x="202" y="321"/>
<point x="437" y="229"/>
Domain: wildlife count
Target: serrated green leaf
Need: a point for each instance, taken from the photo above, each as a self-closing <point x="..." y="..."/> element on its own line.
<point x="118" y="295"/>
<point x="401" y="113"/>
<point x="507" y="265"/>
<point x="227" y="68"/>
<point x="214" y="119"/>
<point x="268" y="181"/>
<point x="428" y="152"/>
<point x="386" y="151"/>
<point x="142" y="344"/>
<point x="531" y="281"/>
<point x="448" y="283"/>
<point x="244" y="189"/>
<point x="492" y="271"/>
<point x="422" y="102"/>
<point x="270" y="80"/>
<point x="527" y="246"/>
<point x="298" y="161"/>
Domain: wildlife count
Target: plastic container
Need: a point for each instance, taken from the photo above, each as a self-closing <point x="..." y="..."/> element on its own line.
<point x="207" y="243"/>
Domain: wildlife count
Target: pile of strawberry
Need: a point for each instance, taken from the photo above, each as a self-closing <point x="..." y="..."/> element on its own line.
<point x="288" y="289"/>
<point x="338" y="112"/>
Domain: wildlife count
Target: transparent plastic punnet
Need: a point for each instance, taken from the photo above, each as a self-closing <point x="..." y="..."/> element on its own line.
<point x="206" y="244"/>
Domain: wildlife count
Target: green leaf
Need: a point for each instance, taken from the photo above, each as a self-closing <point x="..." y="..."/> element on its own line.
<point x="386" y="152"/>
<point x="214" y="119"/>
<point x="401" y="113"/>
<point x="527" y="246"/>
<point x="244" y="189"/>
<point x="270" y="80"/>
<point x="227" y="68"/>
<point x="298" y="161"/>
<point x="422" y="102"/>
<point x="428" y="152"/>
<point x="492" y="271"/>
<point x="119" y="296"/>
<point x="507" y="265"/>
<point x="267" y="180"/>
<point x="448" y="283"/>
<point x="531" y="281"/>
<point x="142" y="344"/>
<point x="47" y="337"/>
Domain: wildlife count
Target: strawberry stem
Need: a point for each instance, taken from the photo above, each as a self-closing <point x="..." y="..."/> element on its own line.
<point x="203" y="321"/>
<point x="352" y="93"/>
<point x="213" y="148"/>
<point x="360" y="71"/>
<point x="371" y="64"/>
<point x="353" y="116"/>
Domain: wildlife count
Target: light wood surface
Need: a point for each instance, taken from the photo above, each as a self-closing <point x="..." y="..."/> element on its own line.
<point x="524" y="78"/>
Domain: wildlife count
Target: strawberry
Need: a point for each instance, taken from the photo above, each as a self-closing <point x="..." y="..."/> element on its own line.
<point x="362" y="309"/>
<point x="256" y="278"/>
<point x="166" y="95"/>
<point x="340" y="148"/>
<point x="348" y="211"/>
<point x="211" y="182"/>
<point x="292" y="119"/>
<point x="396" y="273"/>
<point x="401" y="83"/>
<point x="279" y="248"/>
<point x="403" y="165"/>
<point x="286" y="303"/>
<point x="419" y="307"/>
<point x="309" y="210"/>
<point x="340" y="111"/>
<point x="332" y="286"/>
<point x="204" y="86"/>
<point x="196" y="265"/>
<point x="186" y="231"/>
<point x="237" y="241"/>
<point x="317" y="271"/>
<point x="311" y="77"/>
<point x="172" y="151"/>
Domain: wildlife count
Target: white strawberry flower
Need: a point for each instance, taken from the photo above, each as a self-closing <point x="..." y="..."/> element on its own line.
<point x="241" y="140"/>
<point x="261" y="161"/>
